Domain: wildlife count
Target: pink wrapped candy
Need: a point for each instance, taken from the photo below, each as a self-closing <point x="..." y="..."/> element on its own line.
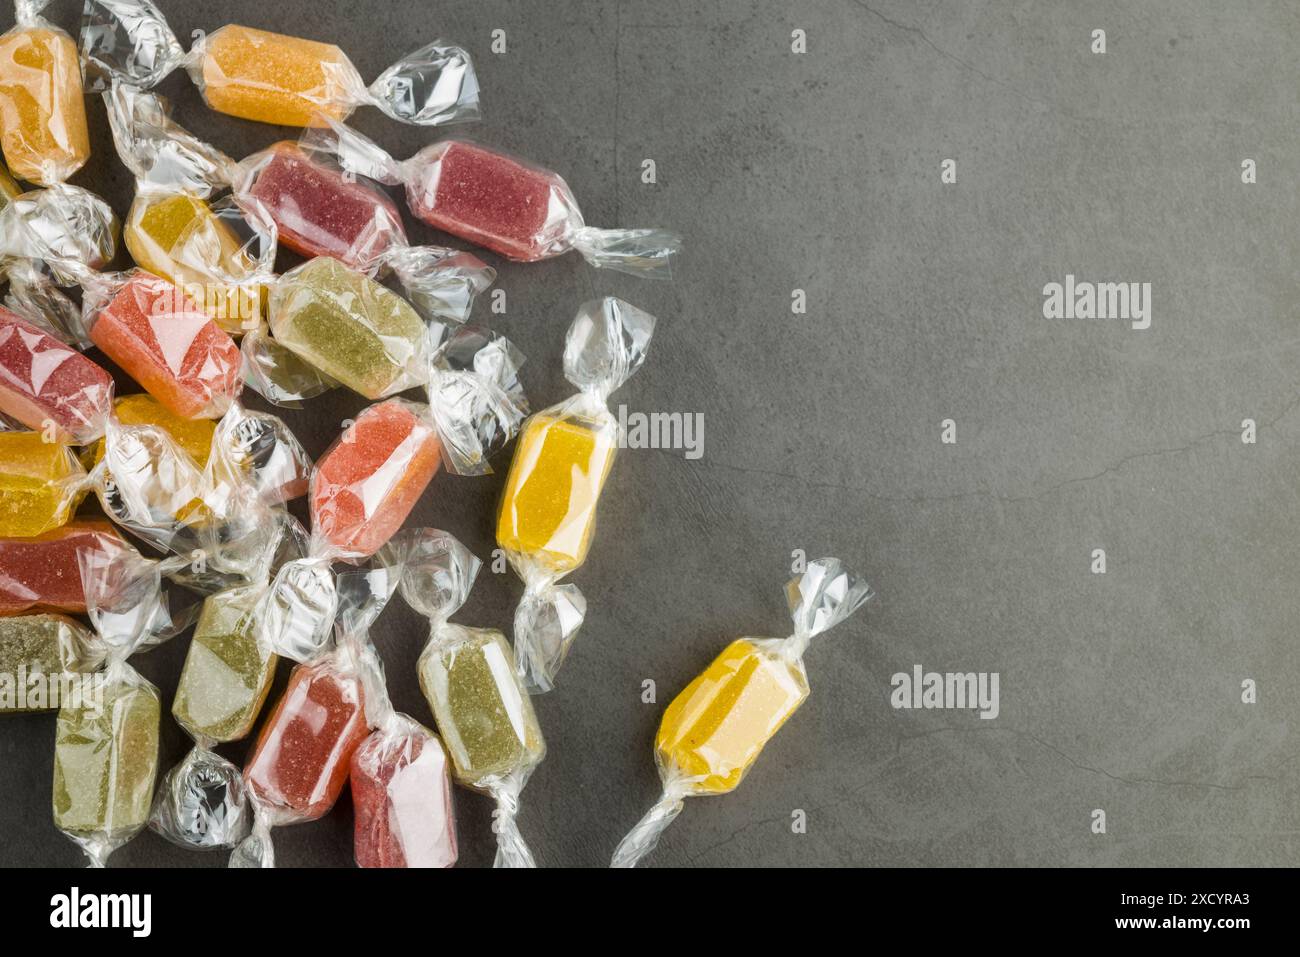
<point x="401" y="797"/>
<point x="43" y="572"/>
<point x="44" y="380"/>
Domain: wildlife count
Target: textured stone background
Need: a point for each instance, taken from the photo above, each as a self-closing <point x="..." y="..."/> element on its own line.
<point x="821" y="172"/>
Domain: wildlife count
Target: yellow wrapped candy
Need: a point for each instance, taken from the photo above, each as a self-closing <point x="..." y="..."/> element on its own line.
<point x="41" y="484"/>
<point x="42" y="107"/>
<point x="713" y="731"/>
<point x="192" y="435"/>
<point x="274" y="78"/>
<point x="548" y="510"/>
<point x="180" y="238"/>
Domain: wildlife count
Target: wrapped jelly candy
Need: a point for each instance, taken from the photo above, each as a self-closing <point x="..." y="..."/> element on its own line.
<point x="194" y="436"/>
<point x="368" y="481"/>
<point x="41" y="484"/>
<point x="227" y="674"/>
<point x="220" y="255"/>
<point x="47" y="384"/>
<point x="521" y="211"/>
<point x="42" y="107"/>
<point x="718" y="725"/>
<point x="401" y="788"/>
<point x="318" y="209"/>
<point x="42" y="572"/>
<point x="54" y="227"/>
<point x="273" y="78"/>
<point x="220" y="510"/>
<point x="303" y="754"/>
<point x="482" y="710"/>
<point x="36" y="648"/>
<point x="548" y="509"/>
<point x="106" y="740"/>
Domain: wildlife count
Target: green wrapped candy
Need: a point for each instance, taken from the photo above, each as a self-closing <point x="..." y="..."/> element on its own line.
<point x="40" y="644"/>
<point x="349" y="327"/>
<point x="106" y="760"/>
<point x="227" y="672"/>
<point x="485" y="716"/>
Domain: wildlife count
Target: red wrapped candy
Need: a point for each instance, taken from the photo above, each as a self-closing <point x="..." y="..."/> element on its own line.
<point x="302" y="757"/>
<point x="370" y="479"/>
<point x="168" y="344"/>
<point x="42" y="572"/>
<point x="320" y="211"/>
<point x="44" y="380"/>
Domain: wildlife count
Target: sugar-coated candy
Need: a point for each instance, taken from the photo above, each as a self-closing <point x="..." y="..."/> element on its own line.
<point x="714" y="730"/>
<point x="548" y="510"/>
<point x="401" y="799"/>
<point x="485" y="716"/>
<point x="181" y="239"/>
<point x="482" y="710"/>
<point x="349" y="327"/>
<point x="368" y="482"/>
<point x="168" y="344"/>
<point x="42" y="644"/>
<point x="106" y="760"/>
<point x="193" y="436"/>
<point x="41" y="484"/>
<point x="44" y="381"/>
<point x="319" y="210"/>
<point x="227" y="672"/>
<point x="42" y="572"/>
<point x="300" y="763"/>
<point x="497" y="201"/>
<point x="270" y="77"/>
<point x="42" y="108"/>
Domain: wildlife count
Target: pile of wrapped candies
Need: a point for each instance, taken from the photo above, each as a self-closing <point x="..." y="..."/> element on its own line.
<point x="194" y="485"/>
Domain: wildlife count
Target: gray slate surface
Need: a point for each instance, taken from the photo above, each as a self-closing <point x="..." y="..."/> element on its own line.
<point x="1118" y="691"/>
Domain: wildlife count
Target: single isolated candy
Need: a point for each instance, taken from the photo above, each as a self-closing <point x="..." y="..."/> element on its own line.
<point x="565" y="453"/>
<point x="319" y="211"/>
<point x="303" y="753"/>
<point x="45" y="381"/>
<point x="40" y="644"/>
<point x="227" y="672"/>
<point x="42" y="572"/>
<point x="401" y="799"/>
<point x="169" y="345"/>
<point x="42" y="107"/>
<point x="41" y="484"/>
<point x="365" y="486"/>
<point x="715" y="729"/>
<point x="348" y="326"/>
